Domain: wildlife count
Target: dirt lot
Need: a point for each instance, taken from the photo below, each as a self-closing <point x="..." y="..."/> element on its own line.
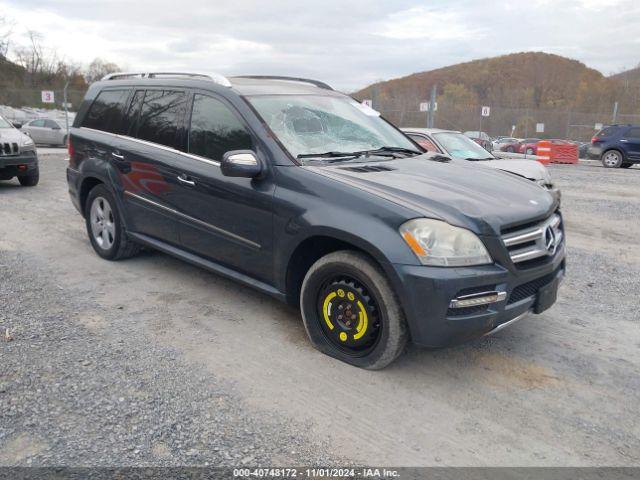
<point x="153" y="361"/>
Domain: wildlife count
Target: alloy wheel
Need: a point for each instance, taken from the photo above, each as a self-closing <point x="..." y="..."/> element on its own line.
<point x="102" y="223"/>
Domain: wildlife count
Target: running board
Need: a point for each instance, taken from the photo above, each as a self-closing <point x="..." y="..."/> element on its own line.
<point x="207" y="265"/>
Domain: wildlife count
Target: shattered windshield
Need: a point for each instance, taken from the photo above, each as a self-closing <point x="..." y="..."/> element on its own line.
<point x="334" y="126"/>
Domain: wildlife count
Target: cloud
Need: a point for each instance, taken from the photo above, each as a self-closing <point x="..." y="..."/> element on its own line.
<point x="348" y="44"/>
<point x="428" y="23"/>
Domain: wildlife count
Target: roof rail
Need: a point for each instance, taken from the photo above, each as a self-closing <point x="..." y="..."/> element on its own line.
<point x="214" y="77"/>
<point x="317" y="83"/>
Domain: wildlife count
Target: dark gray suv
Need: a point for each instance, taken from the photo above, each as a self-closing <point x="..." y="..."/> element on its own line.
<point x="299" y="191"/>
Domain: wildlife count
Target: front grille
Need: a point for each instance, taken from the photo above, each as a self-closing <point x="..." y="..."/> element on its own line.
<point x="7" y="148"/>
<point x="535" y="242"/>
<point x="530" y="289"/>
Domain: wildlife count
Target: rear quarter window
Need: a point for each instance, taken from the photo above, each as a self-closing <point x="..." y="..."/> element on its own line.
<point x="607" y="132"/>
<point x="106" y="111"/>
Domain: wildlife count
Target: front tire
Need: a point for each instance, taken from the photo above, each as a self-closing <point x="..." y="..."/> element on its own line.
<point x="31" y="179"/>
<point x="530" y="151"/>
<point x="612" y="159"/>
<point x="105" y="227"/>
<point x="351" y="312"/>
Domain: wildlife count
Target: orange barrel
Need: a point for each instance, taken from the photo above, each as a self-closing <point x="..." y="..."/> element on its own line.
<point x="543" y="152"/>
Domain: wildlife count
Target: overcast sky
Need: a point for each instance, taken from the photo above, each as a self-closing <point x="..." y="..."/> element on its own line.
<point x="346" y="43"/>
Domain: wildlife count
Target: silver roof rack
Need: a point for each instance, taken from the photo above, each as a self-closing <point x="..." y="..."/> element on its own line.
<point x="214" y="77"/>
<point x="317" y="83"/>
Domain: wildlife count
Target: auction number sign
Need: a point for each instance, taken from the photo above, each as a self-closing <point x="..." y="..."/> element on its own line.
<point x="47" y="96"/>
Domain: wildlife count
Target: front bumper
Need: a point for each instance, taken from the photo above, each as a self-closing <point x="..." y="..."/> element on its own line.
<point x="427" y="292"/>
<point x="18" y="164"/>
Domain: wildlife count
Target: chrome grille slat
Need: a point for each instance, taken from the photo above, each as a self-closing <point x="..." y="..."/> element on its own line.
<point x="7" y="149"/>
<point x="536" y="241"/>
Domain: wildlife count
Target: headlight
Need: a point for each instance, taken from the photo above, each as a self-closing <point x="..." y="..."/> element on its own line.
<point x="439" y="244"/>
<point x="27" y="141"/>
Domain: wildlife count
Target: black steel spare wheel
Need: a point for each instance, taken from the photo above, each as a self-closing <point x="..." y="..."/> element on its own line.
<point x="351" y="312"/>
<point x="349" y="315"/>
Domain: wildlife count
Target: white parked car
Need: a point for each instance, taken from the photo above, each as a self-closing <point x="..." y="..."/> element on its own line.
<point x="461" y="148"/>
<point x="45" y="131"/>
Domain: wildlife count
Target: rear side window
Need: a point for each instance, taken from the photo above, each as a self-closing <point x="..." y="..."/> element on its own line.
<point x="633" y="133"/>
<point x="133" y="111"/>
<point x="50" y="124"/>
<point x="215" y="129"/>
<point x="606" y="132"/>
<point x="37" y="123"/>
<point x="106" y="111"/>
<point x="161" y="114"/>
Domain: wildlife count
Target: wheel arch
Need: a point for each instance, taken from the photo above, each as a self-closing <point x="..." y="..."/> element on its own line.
<point x="87" y="184"/>
<point x="317" y="245"/>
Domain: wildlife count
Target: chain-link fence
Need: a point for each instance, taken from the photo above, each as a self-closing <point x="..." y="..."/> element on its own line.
<point x="21" y="99"/>
<point x="507" y="121"/>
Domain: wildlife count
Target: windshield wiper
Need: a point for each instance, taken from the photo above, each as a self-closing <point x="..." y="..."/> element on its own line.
<point x="393" y="150"/>
<point x="473" y="159"/>
<point x="330" y="155"/>
<point x="343" y="156"/>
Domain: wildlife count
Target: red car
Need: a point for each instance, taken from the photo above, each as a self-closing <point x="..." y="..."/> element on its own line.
<point x="528" y="146"/>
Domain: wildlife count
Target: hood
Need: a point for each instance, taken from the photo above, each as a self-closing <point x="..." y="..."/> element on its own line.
<point x="12" y="135"/>
<point x="480" y="199"/>
<point x="531" y="169"/>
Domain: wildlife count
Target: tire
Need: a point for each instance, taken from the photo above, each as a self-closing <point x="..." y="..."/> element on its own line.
<point x="31" y="179"/>
<point x="105" y="227"/>
<point x="612" y="159"/>
<point x="338" y="286"/>
<point x="530" y="151"/>
<point x="510" y="149"/>
<point x="626" y="165"/>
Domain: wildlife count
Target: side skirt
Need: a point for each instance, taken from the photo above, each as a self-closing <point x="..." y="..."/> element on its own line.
<point x="208" y="265"/>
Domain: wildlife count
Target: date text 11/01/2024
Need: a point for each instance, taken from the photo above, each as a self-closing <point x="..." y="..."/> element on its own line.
<point x="316" y="473"/>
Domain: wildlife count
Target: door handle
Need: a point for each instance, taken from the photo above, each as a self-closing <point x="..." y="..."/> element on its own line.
<point x="624" y="140"/>
<point x="185" y="180"/>
<point x="117" y="156"/>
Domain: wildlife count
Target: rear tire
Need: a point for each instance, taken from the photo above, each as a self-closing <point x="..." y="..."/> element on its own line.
<point x="31" y="179"/>
<point x="105" y="227"/>
<point x="612" y="159"/>
<point x="370" y="336"/>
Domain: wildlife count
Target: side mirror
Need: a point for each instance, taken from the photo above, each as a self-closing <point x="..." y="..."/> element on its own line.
<point x="17" y="125"/>
<point x="241" y="163"/>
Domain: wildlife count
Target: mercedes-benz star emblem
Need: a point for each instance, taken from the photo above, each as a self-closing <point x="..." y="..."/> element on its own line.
<point x="550" y="240"/>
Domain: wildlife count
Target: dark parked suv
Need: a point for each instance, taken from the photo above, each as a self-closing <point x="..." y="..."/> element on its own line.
<point x="299" y="191"/>
<point x="617" y="146"/>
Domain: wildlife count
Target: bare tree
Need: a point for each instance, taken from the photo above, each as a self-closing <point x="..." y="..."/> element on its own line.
<point x="98" y="69"/>
<point x="6" y="28"/>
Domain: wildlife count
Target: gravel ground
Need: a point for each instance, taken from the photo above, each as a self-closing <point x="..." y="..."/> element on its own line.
<point x="151" y="361"/>
<point x="70" y="395"/>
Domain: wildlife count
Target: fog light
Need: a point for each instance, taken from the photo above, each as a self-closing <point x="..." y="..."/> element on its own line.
<point x="476" y="299"/>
